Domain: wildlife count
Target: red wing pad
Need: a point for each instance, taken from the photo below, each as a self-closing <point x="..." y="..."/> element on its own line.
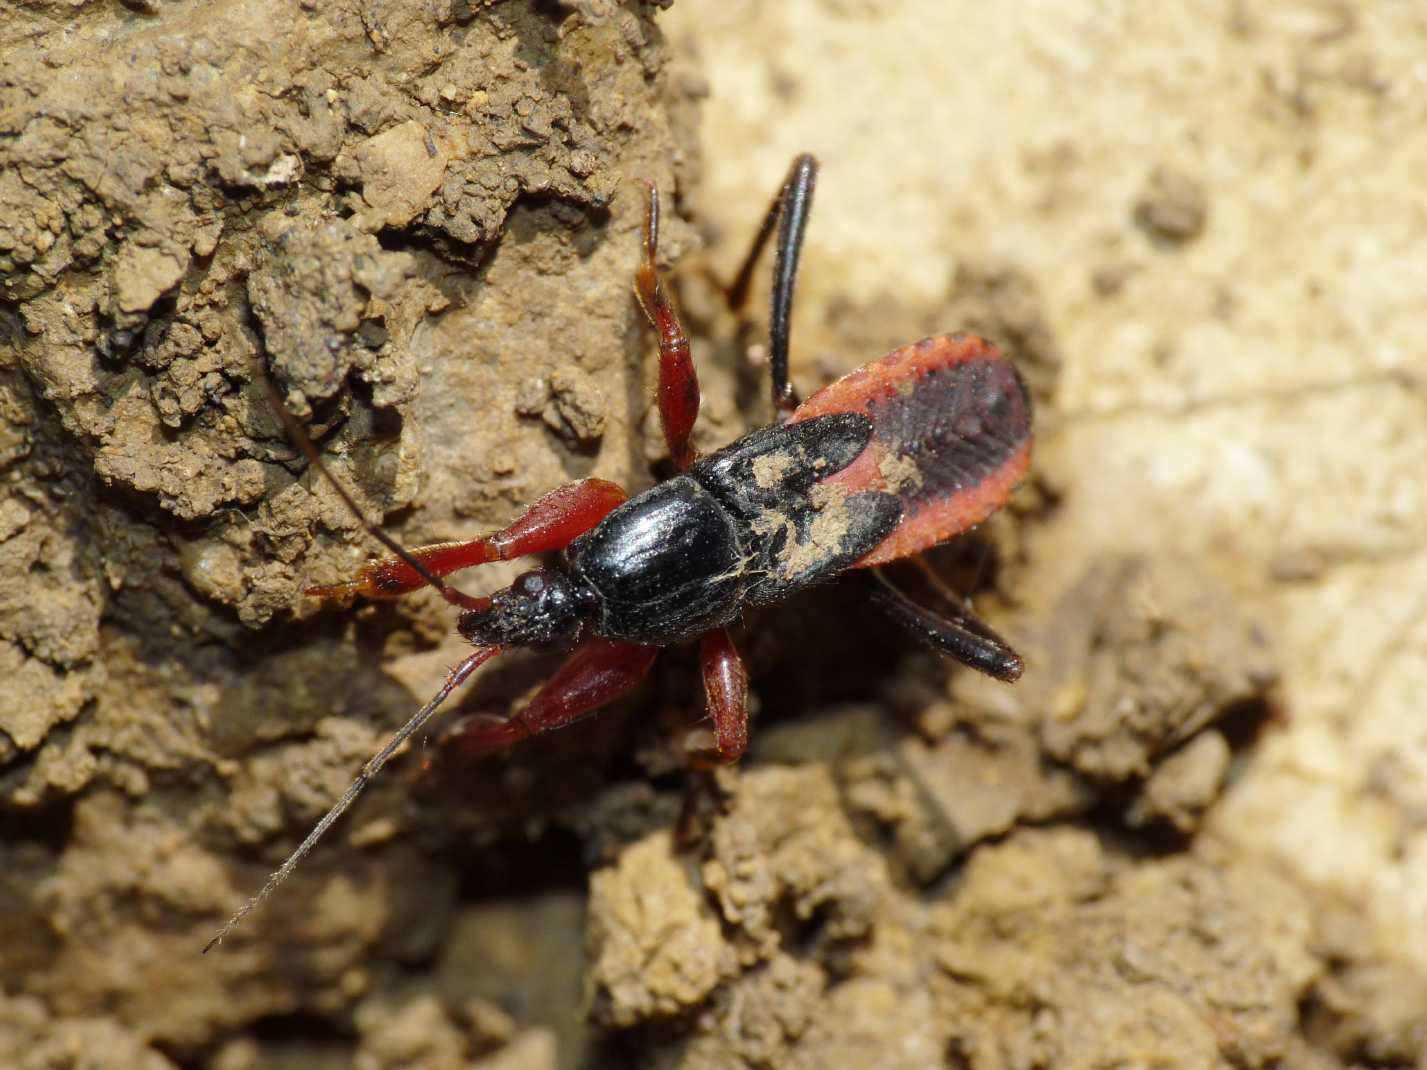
<point x="951" y="436"/>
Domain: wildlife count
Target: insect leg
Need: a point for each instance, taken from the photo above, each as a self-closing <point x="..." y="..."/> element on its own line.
<point x="454" y="679"/>
<point x="726" y="690"/>
<point x="299" y="436"/>
<point x="960" y="635"/>
<point x="678" y="381"/>
<point x="726" y="694"/>
<point x="597" y="673"/>
<point x="552" y="522"/>
<point x="789" y="210"/>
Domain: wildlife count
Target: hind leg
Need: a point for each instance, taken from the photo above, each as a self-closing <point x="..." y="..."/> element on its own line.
<point x="789" y="212"/>
<point x="726" y="692"/>
<point x="959" y="635"/>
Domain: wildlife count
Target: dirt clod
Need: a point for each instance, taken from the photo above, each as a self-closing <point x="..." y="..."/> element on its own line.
<point x="312" y="289"/>
<point x="654" y="944"/>
<point x="1141" y="658"/>
<point x="1172" y="207"/>
<point x="31" y="1038"/>
<point x="1053" y="952"/>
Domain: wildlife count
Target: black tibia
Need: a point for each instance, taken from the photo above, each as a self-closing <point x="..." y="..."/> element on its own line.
<point x="789" y="211"/>
<point x="796" y="530"/>
<point x="667" y="565"/>
<point x="797" y="203"/>
<point x="959" y="635"/>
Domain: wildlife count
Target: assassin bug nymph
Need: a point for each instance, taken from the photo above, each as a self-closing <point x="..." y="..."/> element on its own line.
<point x="885" y="462"/>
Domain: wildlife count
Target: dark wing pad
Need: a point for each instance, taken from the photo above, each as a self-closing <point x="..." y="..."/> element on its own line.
<point x="798" y="529"/>
<point x="765" y="468"/>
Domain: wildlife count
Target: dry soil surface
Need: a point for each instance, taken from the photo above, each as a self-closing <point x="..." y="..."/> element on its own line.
<point x="1195" y="833"/>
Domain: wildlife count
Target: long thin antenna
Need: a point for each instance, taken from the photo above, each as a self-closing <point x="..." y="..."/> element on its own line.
<point x="299" y="436"/>
<point x="454" y="679"/>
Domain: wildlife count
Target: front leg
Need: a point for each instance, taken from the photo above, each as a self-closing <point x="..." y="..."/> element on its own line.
<point x="597" y="673"/>
<point x="551" y="523"/>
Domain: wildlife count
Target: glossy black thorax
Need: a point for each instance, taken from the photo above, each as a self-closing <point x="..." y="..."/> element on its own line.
<point x="745" y="525"/>
<point x="665" y="565"/>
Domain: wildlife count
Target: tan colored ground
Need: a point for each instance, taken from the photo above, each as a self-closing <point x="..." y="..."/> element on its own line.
<point x="1221" y="209"/>
<point x="1192" y="836"/>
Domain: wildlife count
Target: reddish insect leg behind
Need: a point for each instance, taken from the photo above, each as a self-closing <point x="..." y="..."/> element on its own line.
<point x="726" y="692"/>
<point x="678" y="381"/>
<point x="725" y="679"/>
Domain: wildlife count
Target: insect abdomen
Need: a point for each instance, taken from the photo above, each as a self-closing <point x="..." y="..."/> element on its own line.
<point x="951" y="436"/>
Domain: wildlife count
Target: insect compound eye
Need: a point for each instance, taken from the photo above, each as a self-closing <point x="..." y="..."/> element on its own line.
<point x="530" y="584"/>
